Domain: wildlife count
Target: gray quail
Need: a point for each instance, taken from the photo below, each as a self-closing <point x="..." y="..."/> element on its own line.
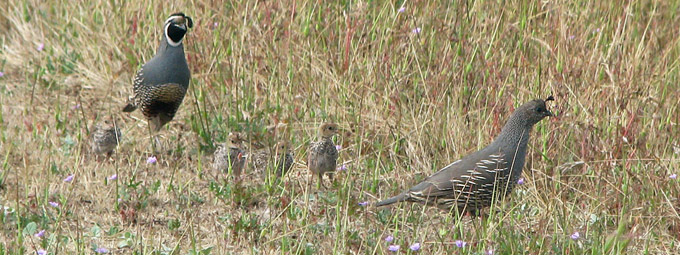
<point x="161" y="83"/>
<point x="230" y="155"/>
<point x="473" y="182"/>
<point x="282" y="160"/>
<point x="322" y="155"/>
<point x="105" y="137"/>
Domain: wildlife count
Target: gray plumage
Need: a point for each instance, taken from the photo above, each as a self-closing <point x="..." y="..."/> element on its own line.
<point x="472" y="183"/>
<point x="282" y="161"/>
<point x="322" y="155"/>
<point x="105" y="137"/>
<point x="230" y="155"/>
<point x="161" y="83"/>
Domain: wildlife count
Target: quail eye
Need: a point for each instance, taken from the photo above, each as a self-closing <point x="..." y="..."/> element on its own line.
<point x="539" y="109"/>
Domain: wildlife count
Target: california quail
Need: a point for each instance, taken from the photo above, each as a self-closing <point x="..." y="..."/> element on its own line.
<point x="229" y="155"/>
<point x="282" y="159"/>
<point x="161" y="83"/>
<point x="322" y="155"/>
<point x="472" y="183"/>
<point x="105" y="137"/>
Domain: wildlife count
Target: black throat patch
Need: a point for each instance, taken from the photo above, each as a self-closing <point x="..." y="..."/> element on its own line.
<point x="175" y="33"/>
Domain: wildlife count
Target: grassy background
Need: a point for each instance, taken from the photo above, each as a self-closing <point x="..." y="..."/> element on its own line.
<point x="411" y="102"/>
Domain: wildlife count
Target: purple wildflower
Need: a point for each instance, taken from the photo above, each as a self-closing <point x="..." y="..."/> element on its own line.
<point x="53" y="204"/>
<point x="68" y="178"/>
<point x="41" y="252"/>
<point x="2" y="74"/>
<point x="342" y="168"/>
<point x="520" y="181"/>
<point x="597" y="30"/>
<point x="113" y="177"/>
<point x="489" y="252"/>
<point x="151" y="160"/>
<point x="416" y="30"/>
<point x="415" y="247"/>
<point x="338" y="147"/>
<point x="101" y="250"/>
<point x="575" y="236"/>
<point x="40" y="234"/>
<point x="571" y="37"/>
<point x="389" y="238"/>
<point x="673" y="176"/>
<point x="40" y="47"/>
<point x="402" y="9"/>
<point x="77" y="106"/>
<point x="365" y="203"/>
<point x="460" y="243"/>
<point x="393" y="247"/>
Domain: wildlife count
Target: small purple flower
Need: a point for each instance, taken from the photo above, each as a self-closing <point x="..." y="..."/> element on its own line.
<point x="215" y="25"/>
<point x="673" y="176"/>
<point x="101" y="250"/>
<point x="40" y="234"/>
<point x="120" y="200"/>
<point x="416" y="30"/>
<point x="460" y="243"/>
<point x="40" y="47"/>
<point x="151" y="160"/>
<point x="489" y="252"/>
<point x="41" y="252"/>
<point x="402" y="9"/>
<point x="113" y="177"/>
<point x="571" y="37"/>
<point x="2" y="74"/>
<point x="338" y="147"/>
<point x="575" y="236"/>
<point x="597" y="30"/>
<point x="68" y="178"/>
<point x="520" y="181"/>
<point x="389" y="238"/>
<point x="53" y="204"/>
<point x="365" y="203"/>
<point x="77" y="106"/>
<point x="342" y="168"/>
<point x="393" y="247"/>
<point x="415" y="247"/>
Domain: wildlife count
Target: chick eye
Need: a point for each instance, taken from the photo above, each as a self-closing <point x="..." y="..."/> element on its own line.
<point x="539" y="109"/>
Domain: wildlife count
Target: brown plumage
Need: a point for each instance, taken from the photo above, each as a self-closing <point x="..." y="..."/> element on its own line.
<point x="105" y="137"/>
<point x="230" y="155"/>
<point x="472" y="183"/>
<point x="281" y="159"/>
<point x="322" y="155"/>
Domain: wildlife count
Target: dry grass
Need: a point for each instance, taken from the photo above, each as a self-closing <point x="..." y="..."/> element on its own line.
<point x="414" y="101"/>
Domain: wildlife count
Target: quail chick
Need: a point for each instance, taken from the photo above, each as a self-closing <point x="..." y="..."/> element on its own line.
<point x="475" y="181"/>
<point x="105" y="137"/>
<point x="282" y="160"/>
<point x="230" y="155"/>
<point x="160" y="85"/>
<point x="322" y="155"/>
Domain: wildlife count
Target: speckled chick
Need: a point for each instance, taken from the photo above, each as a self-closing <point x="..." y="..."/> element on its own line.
<point x="105" y="137"/>
<point x="322" y="155"/>
<point x="282" y="160"/>
<point x="230" y="154"/>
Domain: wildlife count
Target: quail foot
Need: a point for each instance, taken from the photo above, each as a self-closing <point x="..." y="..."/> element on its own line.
<point x="322" y="155"/>
<point x="105" y="137"/>
<point x="230" y="156"/>
<point x="475" y="181"/>
<point x="160" y="85"/>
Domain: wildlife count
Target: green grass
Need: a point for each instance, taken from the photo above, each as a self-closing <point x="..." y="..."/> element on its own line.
<point x="410" y="102"/>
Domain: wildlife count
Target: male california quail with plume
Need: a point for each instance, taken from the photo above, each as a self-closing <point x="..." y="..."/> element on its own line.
<point x="105" y="137"/>
<point x="473" y="182"/>
<point x="322" y="155"/>
<point x="282" y="159"/>
<point x="161" y="83"/>
<point x="229" y="155"/>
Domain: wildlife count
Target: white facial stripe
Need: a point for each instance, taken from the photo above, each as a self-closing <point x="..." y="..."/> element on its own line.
<point x="167" y="38"/>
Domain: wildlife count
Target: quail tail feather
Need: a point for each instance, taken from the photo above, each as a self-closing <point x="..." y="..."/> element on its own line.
<point x="398" y="198"/>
